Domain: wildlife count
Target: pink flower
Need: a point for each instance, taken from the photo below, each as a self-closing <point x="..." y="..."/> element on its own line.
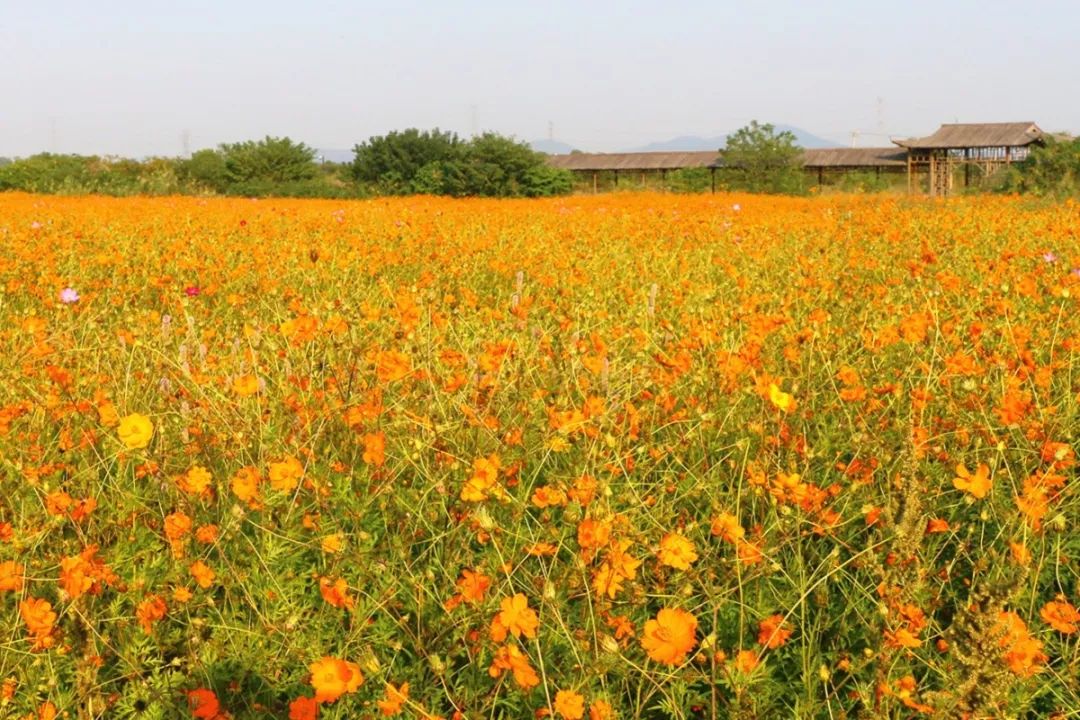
<point x="69" y="296"/>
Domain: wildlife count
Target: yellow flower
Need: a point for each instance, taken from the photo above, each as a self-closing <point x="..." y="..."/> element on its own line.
<point x="332" y="544"/>
<point x="781" y="399"/>
<point x="135" y="431"/>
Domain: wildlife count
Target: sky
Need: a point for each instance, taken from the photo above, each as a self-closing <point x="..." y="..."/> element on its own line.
<point x="143" y="77"/>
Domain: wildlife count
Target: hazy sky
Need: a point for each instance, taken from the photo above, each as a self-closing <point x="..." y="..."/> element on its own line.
<point x="132" y="77"/>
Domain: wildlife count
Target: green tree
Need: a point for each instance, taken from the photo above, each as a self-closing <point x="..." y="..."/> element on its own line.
<point x="1052" y="170"/>
<point x="205" y="169"/>
<point x="406" y="161"/>
<point x="757" y="158"/>
<point x="497" y="166"/>
<point x="268" y="161"/>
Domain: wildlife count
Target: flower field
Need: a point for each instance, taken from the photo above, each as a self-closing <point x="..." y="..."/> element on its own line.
<point x="631" y="456"/>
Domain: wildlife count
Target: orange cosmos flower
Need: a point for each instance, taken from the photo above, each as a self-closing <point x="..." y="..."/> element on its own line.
<point x="391" y="365"/>
<point x="375" y="449"/>
<point x="601" y="710"/>
<point x="285" y="475"/>
<point x="772" y="633"/>
<point x="336" y="593"/>
<point x="303" y="708"/>
<point x="746" y="661"/>
<point x="246" y="385"/>
<point x="40" y="620"/>
<point x="394" y="699"/>
<point x="11" y="576"/>
<point x="135" y="431"/>
<point x="473" y="586"/>
<point x="202" y="573"/>
<point x="569" y="704"/>
<point x="977" y="485"/>
<point x="509" y="657"/>
<point x="203" y="703"/>
<point x="1060" y="615"/>
<point x="196" y="481"/>
<point x="484" y="480"/>
<point x="245" y="485"/>
<point x="669" y="638"/>
<point x="150" y="611"/>
<point x="676" y="551"/>
<point x="332" y="678"/>
<point x="514" y="617"/>
<point x="1022" y="653"/>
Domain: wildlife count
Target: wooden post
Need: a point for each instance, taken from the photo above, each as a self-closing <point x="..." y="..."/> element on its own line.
<point x="712" y="172"/>
<point x="616" y="174"/>
<point x="820" y="176"/>
<point x="909" y="171"/>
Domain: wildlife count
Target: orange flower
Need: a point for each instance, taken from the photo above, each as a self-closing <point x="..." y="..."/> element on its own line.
<point x="676" y="551"/>
<point x="135" y="431"/>
<point x="670" y="637"/>
<point x="246" y="385"/>
<point x="202" y="573"/>
<point x="336" y="593"/>
<point x="245" y="485"/>
<point x="40" y="620"/>
<point x="391" y="365"/>
<point x="569" y="704"/>
<point x="332" y="678"/>
<point x="203" y="703"/>
<point x="394" y="699"/>
<point x="375" y="449"/>
<point x="746" y="661"/>
<point x="303" y="708"/>
<point x="509" y="657"/>
<point x="601" y="710"/>
<point x="772" y="633"/>
<point x="727" y="527"/>
<point x="977" y="485"/>
<point x="150" y="611"/>
<point x="11" y="576"/>
<point x="483" y="483"/>
<point x="1022" y="653"/>
<point x="196" y="481"/>
<point x="514" y="617"/>
<point x="472" y="587"/>
<point x="1060" y="615"/>
<point x="285" y="475"/>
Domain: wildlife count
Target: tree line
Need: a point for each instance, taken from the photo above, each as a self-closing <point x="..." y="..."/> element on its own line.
<point x="757" y="158"/>
<point x="405" y="162"/>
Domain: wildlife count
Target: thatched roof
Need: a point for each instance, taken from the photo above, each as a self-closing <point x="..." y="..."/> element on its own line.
<point x="634" y="161"/>
<point x="854" y="157"/>
<point x="976" y="135"/>
<point x="640" y="161"/>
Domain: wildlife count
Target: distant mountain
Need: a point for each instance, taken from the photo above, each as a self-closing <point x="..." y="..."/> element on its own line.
<point x="692" y="143"/>
<point x="334" y="156"/>
<point x="551" y="147"/>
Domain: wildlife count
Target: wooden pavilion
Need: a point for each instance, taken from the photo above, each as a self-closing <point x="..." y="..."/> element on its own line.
<point x="982" y="148"/>
<point x="819" y="163"/>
